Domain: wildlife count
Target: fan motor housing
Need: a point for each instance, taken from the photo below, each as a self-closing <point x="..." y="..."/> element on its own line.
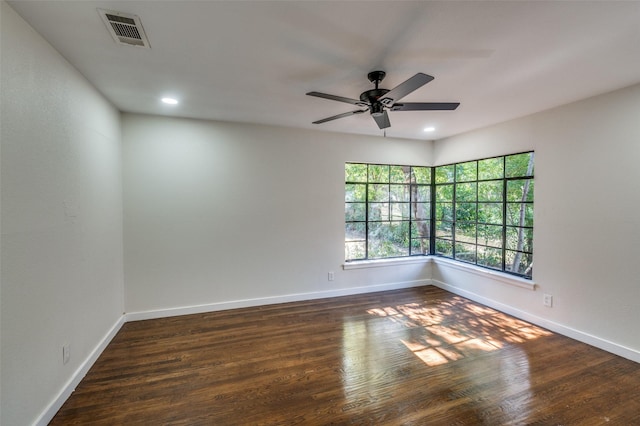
<point x="373" y="95"/>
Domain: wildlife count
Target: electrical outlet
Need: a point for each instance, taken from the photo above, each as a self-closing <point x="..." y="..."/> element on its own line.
<point x="330" y="276"/>
<point x="66" y="353"/>
<point x="547" y="300"/>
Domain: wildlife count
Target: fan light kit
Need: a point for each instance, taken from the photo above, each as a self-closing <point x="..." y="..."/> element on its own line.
<point x="378" y="101"/>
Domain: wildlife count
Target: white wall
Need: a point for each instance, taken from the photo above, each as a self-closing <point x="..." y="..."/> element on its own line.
<point x="222" y="212"/>
<point x="61" y="247"/>
<point x="587" y="217"/>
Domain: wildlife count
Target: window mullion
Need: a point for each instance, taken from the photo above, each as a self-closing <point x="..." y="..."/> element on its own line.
<point x="504" y="214"/>
<point x="366" y="216"/>
<point x="454" y="217"/>
<point x="432" y="215"/>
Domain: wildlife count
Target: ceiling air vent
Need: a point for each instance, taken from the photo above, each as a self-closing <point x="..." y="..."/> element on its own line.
<point x="125" y="28"/>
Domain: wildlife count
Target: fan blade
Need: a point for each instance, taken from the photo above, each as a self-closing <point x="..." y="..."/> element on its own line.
<point x="426" y="106"/>
<point x="335" y="117"/>
<point x="403" y="89"/>
<point x="337" y="98"/>
<point x="382" y="120"/>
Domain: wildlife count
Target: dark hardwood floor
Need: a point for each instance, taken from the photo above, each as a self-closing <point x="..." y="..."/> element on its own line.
<point x="419" y="356"/>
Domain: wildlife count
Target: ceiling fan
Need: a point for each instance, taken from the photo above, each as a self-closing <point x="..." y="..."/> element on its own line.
<point x="378" y="101"/>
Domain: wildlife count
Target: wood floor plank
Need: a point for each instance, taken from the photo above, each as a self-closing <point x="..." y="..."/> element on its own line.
<point x="419" y="356"/>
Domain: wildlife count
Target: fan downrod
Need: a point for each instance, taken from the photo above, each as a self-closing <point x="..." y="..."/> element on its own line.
<point x="371" y="96"/>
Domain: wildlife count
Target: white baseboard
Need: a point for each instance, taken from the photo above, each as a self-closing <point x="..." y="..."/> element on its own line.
<point x="78" y="375"/>
<point x="271" y="300"/>
<point x="583" y="337"/>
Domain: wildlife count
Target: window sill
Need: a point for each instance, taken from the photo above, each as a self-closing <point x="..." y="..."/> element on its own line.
<point x="453" y="264"/>
<point x="495" y="275"/>
<point x="380" y="263"/>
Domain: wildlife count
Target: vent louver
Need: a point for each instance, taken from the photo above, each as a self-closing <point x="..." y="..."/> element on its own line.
<point x="125" y="28"/>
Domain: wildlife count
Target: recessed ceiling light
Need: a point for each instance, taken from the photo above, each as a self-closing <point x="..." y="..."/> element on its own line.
<point x="429" y="129"/>
<point x="170" y="101"/>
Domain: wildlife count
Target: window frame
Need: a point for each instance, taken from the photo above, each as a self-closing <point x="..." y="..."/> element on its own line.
<point x="413" y="187"/>
<point x="456" y="210"/>
<point x="455" y="243"/>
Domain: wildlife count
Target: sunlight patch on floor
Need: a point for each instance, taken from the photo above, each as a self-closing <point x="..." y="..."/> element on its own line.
<point x="453" y="330"/>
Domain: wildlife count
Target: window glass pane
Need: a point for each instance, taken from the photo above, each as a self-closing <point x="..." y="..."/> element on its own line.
<point x="355" y="172"/>
<point x="444" y="229"/>
<point x="466" y="232"/>
<point x="378" y="211"/>
<point x="519" y="165"/>
<point x="355" y="250"/>
<point x="519" y="263"/>
<point x="354" y="211"/>
<point x="421" y="175"/>
<point x="519" y="214"/>
<point x="490" y="191"/>
<point x="388" y="239"/>
<point x="520" y="239"/>
<point x="400" y="211"/>
<point x="378" y="192"/>
<point x="355" y="192"/>
<point x="444" y="193"/>
<point x="490" y="235"/>
<point x="421" y="211"/>
<point x="444" y="247"/>
<point x="399" y="192"/>
<point x="490" y="257"/>
<point x="355" y="231"/>
<point x="466" y="191"/>
<point x="421" y="193"/>
<point x="491" y="168"/>
<point x="378" y="173"/>
<point x="466" y="212"/>
<point x="466" y="252"/>
<point x="444" y="174"/>
<point x="400" y="174"/>
<point x="420" y="229"/>
<point x="444" y="211"/>
<point x="466" y="172"/>
<point x="420" y="246"/>
<point x="520" y="190"/>
<point x="490" y="213"/>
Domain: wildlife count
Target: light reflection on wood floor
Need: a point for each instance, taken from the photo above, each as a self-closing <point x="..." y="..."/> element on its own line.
<point x="419" y="356"/>
<point x="457" y="328"/>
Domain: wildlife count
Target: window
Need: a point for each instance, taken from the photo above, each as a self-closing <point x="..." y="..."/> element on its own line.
<point x="484" y="212"/>
<point x="479" y="212"/>
<point x="387" y="211"/>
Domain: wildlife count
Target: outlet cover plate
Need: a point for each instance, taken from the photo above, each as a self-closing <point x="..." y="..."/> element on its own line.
<point x="66" y="353"/>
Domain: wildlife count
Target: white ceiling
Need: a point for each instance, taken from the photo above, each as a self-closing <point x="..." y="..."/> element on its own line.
<point x="253" y="61"/>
